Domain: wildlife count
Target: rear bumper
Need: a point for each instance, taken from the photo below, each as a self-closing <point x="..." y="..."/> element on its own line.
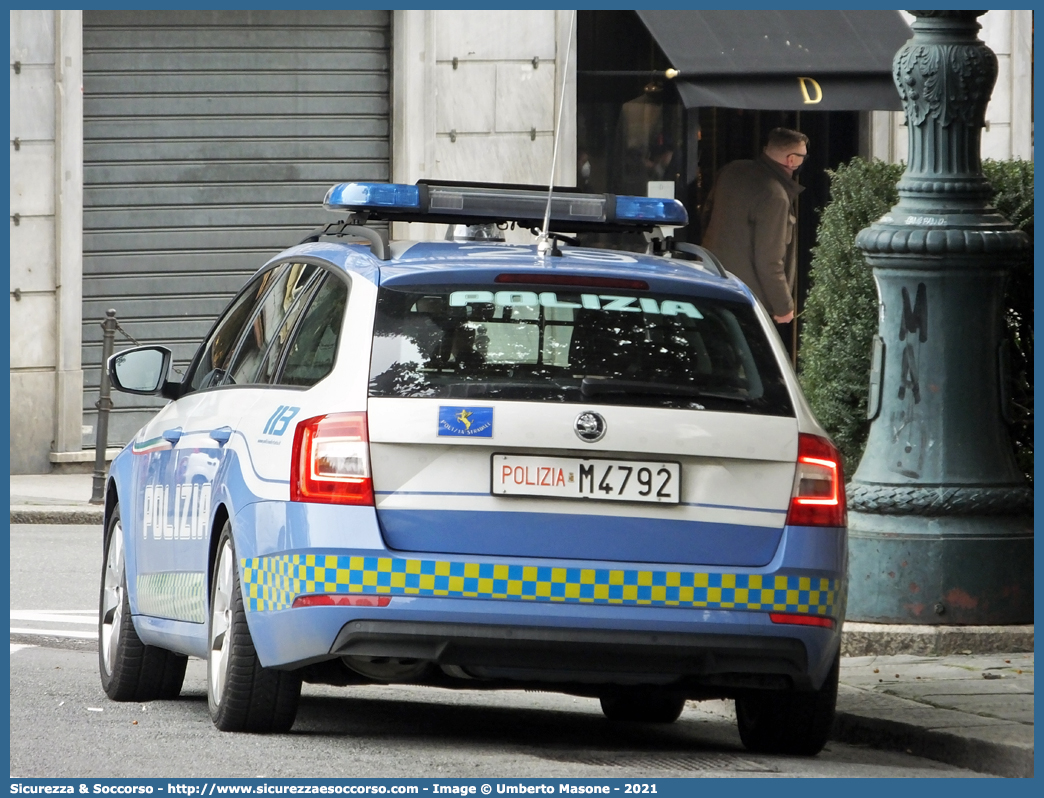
<point x="585" y="656"/>
<point x="709" y="625"/>
<point x="723" y="649"/>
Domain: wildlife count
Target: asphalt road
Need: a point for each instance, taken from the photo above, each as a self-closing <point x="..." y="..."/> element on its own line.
<point x="63" y="725"/>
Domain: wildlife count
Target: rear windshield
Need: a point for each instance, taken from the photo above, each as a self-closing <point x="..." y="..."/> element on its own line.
<point x="601" y="346"/>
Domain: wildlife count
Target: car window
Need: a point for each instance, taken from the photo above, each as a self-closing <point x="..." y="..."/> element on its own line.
<point x="313" y="348"/>
<point x="278" y="347"/>
<point x="216" y="356"/>
<point x="578" y="345"/>
<point x="271" y="324"/>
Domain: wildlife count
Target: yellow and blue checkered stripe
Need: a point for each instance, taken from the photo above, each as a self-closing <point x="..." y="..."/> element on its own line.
<point x="272" y="583"/>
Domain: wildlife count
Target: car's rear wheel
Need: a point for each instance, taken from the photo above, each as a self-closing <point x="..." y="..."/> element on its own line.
<point x="242" y="695"/>
<point x="130" y="670"/>
<point x="789" y="723"/>
<point x="643" y="705"/>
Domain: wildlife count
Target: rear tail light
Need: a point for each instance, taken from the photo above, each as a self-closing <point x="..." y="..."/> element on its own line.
<point x="331" y="461"/>
<point x="818" y="498"/>
<point x="802" y="620"/>
<point x="341" y="600"/>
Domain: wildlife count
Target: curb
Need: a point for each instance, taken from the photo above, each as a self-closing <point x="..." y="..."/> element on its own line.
<point x="942" y="735"/>
<point x="57" y="515"/>
<point x="881" y="639"/>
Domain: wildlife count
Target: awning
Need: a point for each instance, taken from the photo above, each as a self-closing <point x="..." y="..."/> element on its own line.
<point x="782" y="60"/>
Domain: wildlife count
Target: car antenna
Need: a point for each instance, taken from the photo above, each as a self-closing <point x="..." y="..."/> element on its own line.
<point x="545" y="244"/>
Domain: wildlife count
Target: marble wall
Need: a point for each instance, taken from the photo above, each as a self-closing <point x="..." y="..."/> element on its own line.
<point x="46" y="236"/>
<point x="484" y="88"/>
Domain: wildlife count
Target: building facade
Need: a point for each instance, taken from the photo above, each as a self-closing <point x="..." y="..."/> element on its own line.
<point x="157" y="158"/>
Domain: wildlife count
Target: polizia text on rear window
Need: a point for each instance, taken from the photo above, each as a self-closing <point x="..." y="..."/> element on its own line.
<point x="574" y="345"/>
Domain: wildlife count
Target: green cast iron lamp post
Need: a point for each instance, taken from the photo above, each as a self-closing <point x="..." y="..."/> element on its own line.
<point x="940" y="517"/>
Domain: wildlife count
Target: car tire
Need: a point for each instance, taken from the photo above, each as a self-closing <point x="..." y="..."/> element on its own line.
<point x="130" y="670"/>
<point x="242" y="695"/>
<point x="789" y="723"/>
<point x="643" y="705"/>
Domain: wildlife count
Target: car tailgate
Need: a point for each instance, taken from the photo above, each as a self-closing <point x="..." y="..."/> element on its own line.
<point x="434" y="493"/>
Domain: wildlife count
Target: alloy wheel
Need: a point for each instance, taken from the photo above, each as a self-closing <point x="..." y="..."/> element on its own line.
<point x="221" y="623"/>
<point x="112" y="599"/>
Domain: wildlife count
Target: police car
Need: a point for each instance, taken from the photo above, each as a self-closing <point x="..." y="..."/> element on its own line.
<point x="477" y="464"/>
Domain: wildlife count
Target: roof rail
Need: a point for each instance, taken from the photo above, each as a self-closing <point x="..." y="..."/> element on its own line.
<point x="683" y="250"/>
<point x="353" y="227"/>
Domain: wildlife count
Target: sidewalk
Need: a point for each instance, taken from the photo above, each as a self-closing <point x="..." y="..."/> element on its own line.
<point x="972" y="710"/>
<point x="54" y="499"/>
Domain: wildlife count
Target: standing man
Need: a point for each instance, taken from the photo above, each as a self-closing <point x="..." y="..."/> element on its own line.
<point x="749" y="219"/>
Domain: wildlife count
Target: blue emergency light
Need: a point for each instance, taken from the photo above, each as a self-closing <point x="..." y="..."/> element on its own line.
<point x="474" y="203"/>
<point x="364" y="196"/>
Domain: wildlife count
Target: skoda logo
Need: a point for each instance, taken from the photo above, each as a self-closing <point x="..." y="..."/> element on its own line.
<point x="589" y="426"/>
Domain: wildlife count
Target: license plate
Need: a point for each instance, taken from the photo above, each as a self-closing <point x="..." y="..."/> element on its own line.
<point x="584" y="478"/>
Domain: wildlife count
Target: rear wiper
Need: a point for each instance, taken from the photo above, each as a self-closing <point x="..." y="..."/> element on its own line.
<point x="595" y="386"/>
<point x="465" y="389"/>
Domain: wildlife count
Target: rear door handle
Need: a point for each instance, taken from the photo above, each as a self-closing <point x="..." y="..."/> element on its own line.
<point x="221" y="435"/>
<point x="172" y="436"/>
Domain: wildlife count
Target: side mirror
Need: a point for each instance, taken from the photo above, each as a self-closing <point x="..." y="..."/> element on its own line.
<point x="141" y="370"/>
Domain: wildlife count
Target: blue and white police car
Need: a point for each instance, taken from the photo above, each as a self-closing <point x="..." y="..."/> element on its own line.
<point x="478" y="464"/>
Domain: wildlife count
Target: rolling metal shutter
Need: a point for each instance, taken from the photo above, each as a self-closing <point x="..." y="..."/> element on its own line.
<point x="210" y="139"/>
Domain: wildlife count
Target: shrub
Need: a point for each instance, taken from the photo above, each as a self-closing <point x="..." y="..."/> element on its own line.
<point x="839" y="319"/>
<point x="1012" y="183"/>
<point x="840" y="314"/>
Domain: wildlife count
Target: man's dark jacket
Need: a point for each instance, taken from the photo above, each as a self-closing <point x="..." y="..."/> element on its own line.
<point x="749" y="220"/>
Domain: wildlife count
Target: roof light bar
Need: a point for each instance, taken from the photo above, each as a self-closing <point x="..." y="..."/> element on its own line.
<point x="476" y="203"/>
